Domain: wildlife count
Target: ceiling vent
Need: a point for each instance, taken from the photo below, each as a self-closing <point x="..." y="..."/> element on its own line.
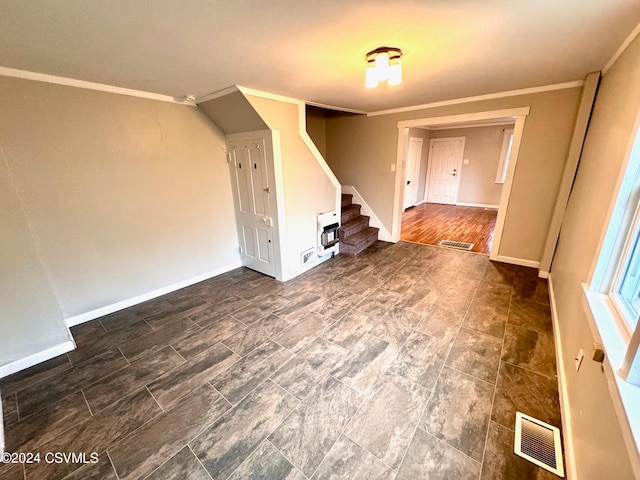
<point x="539" y="443"/>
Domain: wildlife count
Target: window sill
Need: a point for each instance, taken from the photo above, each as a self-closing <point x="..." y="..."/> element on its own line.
<point x="625" y="396"/>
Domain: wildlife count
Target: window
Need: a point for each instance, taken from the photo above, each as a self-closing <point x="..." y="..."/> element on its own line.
<point x="625" y="292"/>
<point x="505" y="155"/>
<point x="613" y="294"/>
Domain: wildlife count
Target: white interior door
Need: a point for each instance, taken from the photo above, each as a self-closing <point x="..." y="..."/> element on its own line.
<point x="412" y="172"/>
<point x="254" y="203"/>
<point x="443" y="169"/>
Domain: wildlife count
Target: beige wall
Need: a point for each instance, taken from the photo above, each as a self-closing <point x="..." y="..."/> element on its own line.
<point x="28" y="302"/>
<point x="123" y="195"/>
<point x="361" y="149"/>
<point x="482" y="148"/>
<point x="307" y="189"/>
<point x="600" y="452"/>
<point x="317" y="128"/>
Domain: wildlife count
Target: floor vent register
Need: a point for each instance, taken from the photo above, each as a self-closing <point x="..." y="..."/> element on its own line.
<point x="539" y="443"/>
<point x="453" y="244"/>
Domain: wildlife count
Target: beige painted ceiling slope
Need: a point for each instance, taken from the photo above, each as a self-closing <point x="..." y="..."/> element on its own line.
<point x="314" y="50"/>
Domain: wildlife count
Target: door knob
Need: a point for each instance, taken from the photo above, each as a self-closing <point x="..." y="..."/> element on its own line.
<point x="266" y="190"/>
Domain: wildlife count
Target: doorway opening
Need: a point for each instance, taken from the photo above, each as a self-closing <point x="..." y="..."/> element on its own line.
<point x="458" y="187"/>
<point x="431" y="223"/>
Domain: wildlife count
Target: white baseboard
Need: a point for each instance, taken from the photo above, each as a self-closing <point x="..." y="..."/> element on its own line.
<point x="36" y="358"/>
<point x="517" y="261"/>
<point x="374" y="221"/>
<point x="102" y="311"/>
<point x="542" y="274"/>
<point x="478" y="205"/>
<point x="565" y="411"/>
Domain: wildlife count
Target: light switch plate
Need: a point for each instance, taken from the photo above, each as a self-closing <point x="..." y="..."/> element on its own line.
<point x="393" y="167"/>
<point x="465" y="161"/>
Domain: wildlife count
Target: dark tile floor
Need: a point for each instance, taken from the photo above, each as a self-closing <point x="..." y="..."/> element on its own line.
<point x="405" y="362"/>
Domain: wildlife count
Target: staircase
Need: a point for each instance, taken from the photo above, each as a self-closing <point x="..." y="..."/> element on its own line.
<point x="355" y="234"/>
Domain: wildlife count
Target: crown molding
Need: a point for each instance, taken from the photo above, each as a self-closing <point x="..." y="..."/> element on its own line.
<point x="338" y="109"/>
<point x="623" y="46"/>
<point x="73" y="82"/>
<point x="490" y="96"/>
<point x="267" y="95"/>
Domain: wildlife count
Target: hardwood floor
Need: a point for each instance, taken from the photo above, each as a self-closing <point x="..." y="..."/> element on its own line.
<point x="431" y="222"/>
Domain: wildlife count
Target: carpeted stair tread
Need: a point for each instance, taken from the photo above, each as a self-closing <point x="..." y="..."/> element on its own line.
<point x="352" y="226"/>
<point x="349" y="212"/>
<point x="347" y="199"/>
<point x="355" y="234"/>
<point x="360" y="241"/>
<point x="361" y="235"/>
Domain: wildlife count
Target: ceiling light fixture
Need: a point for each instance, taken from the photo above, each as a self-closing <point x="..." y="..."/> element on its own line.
<point x="383" y="64"/>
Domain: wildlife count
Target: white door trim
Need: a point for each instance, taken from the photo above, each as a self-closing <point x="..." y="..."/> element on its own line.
<point x="416" y="170"/>
<point x="459" y="169"/>
<point x="280" y="237"/>
<point x="519" y="112"/>
<point x="506" y="188"/>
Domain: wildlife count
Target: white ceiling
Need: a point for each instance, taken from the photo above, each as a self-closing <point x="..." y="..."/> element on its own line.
<point x="314" y="50"/>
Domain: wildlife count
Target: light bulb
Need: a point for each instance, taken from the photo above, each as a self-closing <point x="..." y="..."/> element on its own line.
<point x="382" y="65"/>
<point x="371" y="76"/>
<point x="395" y="73"/>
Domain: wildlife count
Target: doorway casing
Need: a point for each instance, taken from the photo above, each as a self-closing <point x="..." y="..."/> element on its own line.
<point x="412" y="169"/>
<point x="519" y="114"/>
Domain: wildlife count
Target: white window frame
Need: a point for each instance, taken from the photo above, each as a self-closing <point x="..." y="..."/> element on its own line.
<point x="609" y="324"/>
<point x="505" y="155"/>
<point x="627" y="277"/>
